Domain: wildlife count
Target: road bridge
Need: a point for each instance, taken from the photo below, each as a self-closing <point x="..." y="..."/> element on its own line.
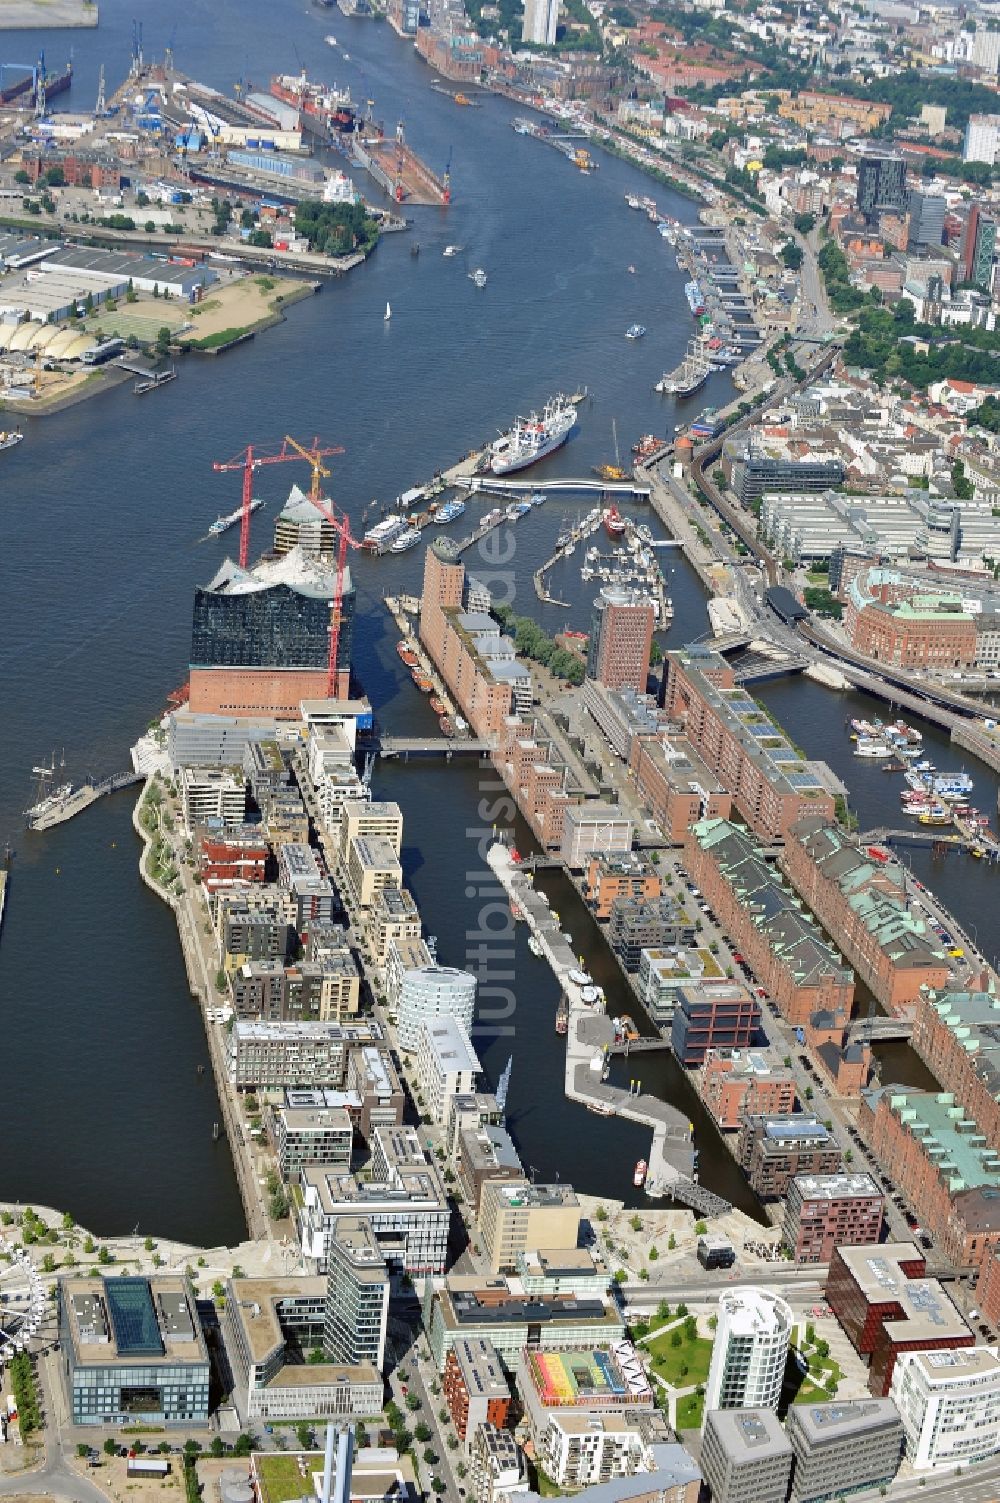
<point x="880" y="1030"/>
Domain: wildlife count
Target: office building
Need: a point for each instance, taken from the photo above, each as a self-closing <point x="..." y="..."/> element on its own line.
<point x="260" y="641"/>
<point x="447" y="1065"/>
<point x="465" y="1306"/>
<point x="132" y="1351"/>
<point x="621" y="634"/>
<point x="881" y="183"/>
<point x="637" y="926"/>
<point x="887" y="1306"/>
<point x="949" y="1403"/>
<point x="824" y="1211"/>
<point x="433" y="991"/>
<point x="755" y="475"/>
<point x="926" y="212"/>
<point x="748" y="1357"/>
<point x="738" y="1083"/>
<point x="563" y="1270"/>
<point x="981" y="252"/>
<point x="372" y="1077"/>
<point x="982" y="137"/>
<point x="713" y="1015"/>
<point x="311" y="1135"/>
<point x="541" y="18"/>
<point x="357" y="1304"/>
<point x="843" y="1447"/>
<point x="591" y="829"/>
<point x="773" y="1149"/>
<point x="476" y="1389"/>
<point x="263" y="1321"/>
<point x="746" y="1456"/>
<point x="268" y="1055"/>
<point x="484" y="1151"/>
<point x="515" y="1216"/>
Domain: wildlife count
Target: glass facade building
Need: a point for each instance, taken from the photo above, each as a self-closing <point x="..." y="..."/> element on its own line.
<point x="133" y="1352"/>
<point x="276" y="627"/>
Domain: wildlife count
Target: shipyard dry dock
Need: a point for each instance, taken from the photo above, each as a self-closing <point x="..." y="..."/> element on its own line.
<point x="398" y="170"/>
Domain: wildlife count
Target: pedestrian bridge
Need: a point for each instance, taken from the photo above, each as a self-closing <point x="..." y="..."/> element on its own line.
<point x="429" y="746"/>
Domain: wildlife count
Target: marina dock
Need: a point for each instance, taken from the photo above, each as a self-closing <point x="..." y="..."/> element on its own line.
<point x="589" y="1038"/>
<point x="81" y="798"/>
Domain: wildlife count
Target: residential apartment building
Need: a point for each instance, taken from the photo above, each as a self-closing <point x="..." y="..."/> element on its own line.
<point x="738" y="1083"/>
<point x="781" y="944"/>
<point x="269" y="1055"/>
<point x="662" y="973"/>
<point x="515" y="1216"/>
<point x="404" y="1202"/>
<point x="864" y="903"/>
<point x="476" y="1389"/>
<point x="772" y="786"/>
<point x="772" y="1150"/>
<point x="886" y="1306"/>
<point x="949" y="1403"/>
<point x="746" y="1456"/>
<point x="940" y="1159"/>
<point x="485" y="1152"/>
<point x="957" y="1035"/>
<point x="393" y="916"/>
<point x="714" y="1015"/>
<point x="608" y="878"/>
<point x="447" y="1065"/>
<point x="655" y="925"/>
<point x="213" y="793"/>
<point x="372" y="864"/>
<point x="498" y="1471"/>
<point x="843" y="1447"/>
<point x="311" y="1135"/>
<point x="747" y="1369"/>
<point x="580" y="1449"/>
<point x="824" y="1211"/>
<point x="433" y="991"/>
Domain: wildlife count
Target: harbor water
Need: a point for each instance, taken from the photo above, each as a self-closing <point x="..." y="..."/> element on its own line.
<point x="106" y="1113"/>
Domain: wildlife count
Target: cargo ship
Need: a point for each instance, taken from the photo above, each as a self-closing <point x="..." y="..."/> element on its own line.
<point x="25" y="89"/>
<point x="533" y="437"/>
<point x="321" y="109"/>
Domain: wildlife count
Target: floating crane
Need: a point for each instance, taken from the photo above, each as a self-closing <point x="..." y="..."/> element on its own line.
<point x="341" y="525"/>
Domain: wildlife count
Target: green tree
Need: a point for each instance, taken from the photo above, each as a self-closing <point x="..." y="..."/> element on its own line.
<point x="103" y="1255"/>
<point x="163" y="337"/>
<point x="48" y="1263"/>
<point x="304" y="1436"/>
<point x="20" y="176"/>
<point x="217" y="1447"/>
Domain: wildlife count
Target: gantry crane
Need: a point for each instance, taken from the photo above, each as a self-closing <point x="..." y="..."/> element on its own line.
<point x="342" y="527"/>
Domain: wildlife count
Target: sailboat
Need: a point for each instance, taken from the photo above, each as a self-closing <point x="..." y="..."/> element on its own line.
<point x="388" y="313"/>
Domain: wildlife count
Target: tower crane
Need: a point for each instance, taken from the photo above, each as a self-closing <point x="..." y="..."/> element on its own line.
<point x="251" y="459"/>
<point x="341" y="525"/>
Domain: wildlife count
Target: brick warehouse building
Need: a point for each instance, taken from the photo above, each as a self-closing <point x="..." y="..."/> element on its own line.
<point x="939" y="1158"/>
<point x="957" y="1035"/>
<point x="771" y="783"/>
<point x="886" y="1305"/>
<point x="861" y="901"/>
<point x="781" y="944"/>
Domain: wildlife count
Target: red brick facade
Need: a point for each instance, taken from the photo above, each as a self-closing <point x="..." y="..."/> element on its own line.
<point x="260" y="691"/>
<point x="674" y="805"/>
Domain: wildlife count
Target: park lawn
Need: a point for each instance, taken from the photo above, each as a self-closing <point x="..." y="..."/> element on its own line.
<point x="144" y="320"/>
<point x="668" y="1360"/>
<point x="690" y="1409"/>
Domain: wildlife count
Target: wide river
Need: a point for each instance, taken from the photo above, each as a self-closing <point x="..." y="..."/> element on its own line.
<point x="105" y="1112"/>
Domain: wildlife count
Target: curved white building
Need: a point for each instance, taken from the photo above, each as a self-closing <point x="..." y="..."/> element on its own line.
<point x="433" y="991"/>
<point x="751" y="1347"/>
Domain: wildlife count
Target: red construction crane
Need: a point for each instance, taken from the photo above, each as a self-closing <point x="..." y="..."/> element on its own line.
<point x="250" y="460"/>
<point x="341" y="525"/>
